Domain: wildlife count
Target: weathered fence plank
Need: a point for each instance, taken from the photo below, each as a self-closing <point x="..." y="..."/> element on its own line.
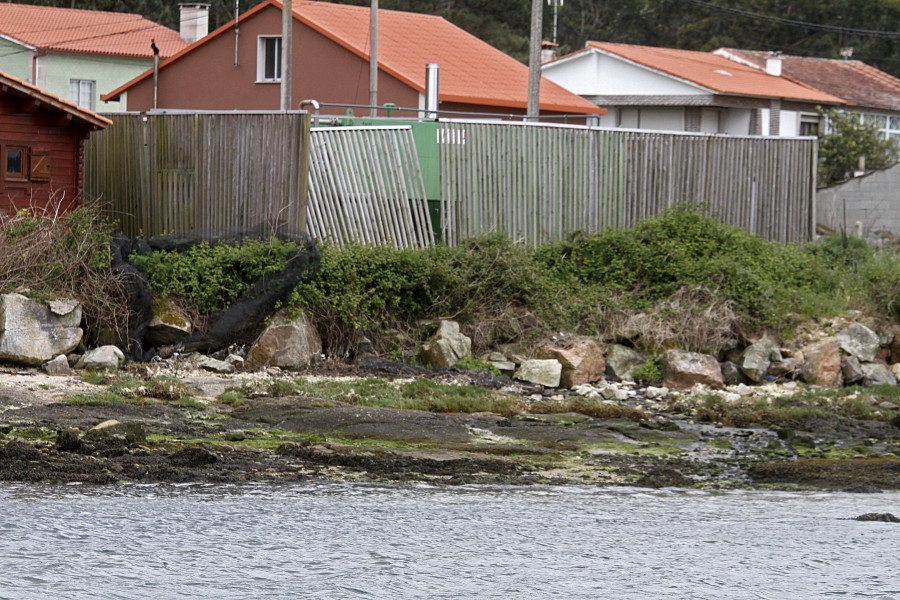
<point x="546" y="181"/>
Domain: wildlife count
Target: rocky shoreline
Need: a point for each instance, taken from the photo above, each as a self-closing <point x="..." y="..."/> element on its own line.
<point x="64" y="429"/>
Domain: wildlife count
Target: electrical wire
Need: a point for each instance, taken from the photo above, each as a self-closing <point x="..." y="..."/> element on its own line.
<point x="797" y="23"/>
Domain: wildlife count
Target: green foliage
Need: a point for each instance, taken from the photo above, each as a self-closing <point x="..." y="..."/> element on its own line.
<point x="649" y="372"/>
<point x="475" y="363"/>
<point x="684" y="247"/>
<point x="849" y="139"/>
<point x="210" y="278"/>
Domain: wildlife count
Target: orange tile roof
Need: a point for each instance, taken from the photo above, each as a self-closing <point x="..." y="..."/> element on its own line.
<point x="856" y="82"/>
<point x="86" y="31"/>
<point x="716" y="73"/>
<point x="16" y="86"/>
<point x="472" y="71"/>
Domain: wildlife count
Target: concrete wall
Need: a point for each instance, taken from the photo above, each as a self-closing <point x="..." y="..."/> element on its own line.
<point x="872" y="200"/>
<point x="107" y="73"/>
<point x="15" y="60"/>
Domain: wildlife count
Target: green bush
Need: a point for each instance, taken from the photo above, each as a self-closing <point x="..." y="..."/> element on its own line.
<point x="210" y="278"/>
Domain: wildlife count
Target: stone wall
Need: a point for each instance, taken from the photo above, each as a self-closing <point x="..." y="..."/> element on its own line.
<point x="872" y="200"/>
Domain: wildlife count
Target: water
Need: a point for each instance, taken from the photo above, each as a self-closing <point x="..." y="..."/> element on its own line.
<point x="369" y="541"/>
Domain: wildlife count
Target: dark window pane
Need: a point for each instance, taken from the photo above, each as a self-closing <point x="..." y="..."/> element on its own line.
<point x="14" y="162"/>
<point x="273" y="58"/>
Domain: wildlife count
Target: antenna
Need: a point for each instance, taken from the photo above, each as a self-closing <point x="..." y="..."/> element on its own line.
<point x="555" y="4"/>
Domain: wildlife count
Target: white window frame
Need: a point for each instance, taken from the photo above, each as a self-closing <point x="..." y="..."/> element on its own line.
<point x="261" y="48"/>
<point x="80" y="90"/>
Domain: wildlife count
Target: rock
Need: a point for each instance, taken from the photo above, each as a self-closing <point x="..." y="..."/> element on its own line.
<point x="31" y="333"/>
<point x="500" y="362"/>
<point x="286" y="343"/>
<point x="621" y="361"/>
<point x="68" y="440"/>
<point x="193" y="456"/>
<point x="786" y="368"/>
<point x="108" y="358"/>
<point x="211" y="364"/>
<point x="822" y="364"/>
<point x="58" y="366"/>
<point x="543" y="372"/>
<point x="757" y="357"/>
<point x="586" y="390"/>
<point x="653" y="393"/>
<point x="851" y="371"/>
<point x="859" y="341"/>
<point x="235" y="361"/>
<point x="742" y="390"/>
<point x="886" y="405"/>
<point x="169" y="324"/>
<point x="895" y="369"/>
<point x="882" y="517"/>
<point x="447" y="347"/>
<point x="877" y="374"/>
<point x="682" y="370"/>
<point x="581" y="360"/>
<point x="132" y="432"/>
<point x="731" y="373"/>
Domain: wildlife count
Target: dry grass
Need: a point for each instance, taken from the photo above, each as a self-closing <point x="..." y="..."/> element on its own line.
<point x="46" y="254"/>
<point x="693" y="319"/>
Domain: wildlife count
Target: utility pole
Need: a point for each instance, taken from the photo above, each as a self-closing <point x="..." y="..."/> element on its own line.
<point x="287" y="30"/>
<point x="534" y="60"/>
<point x="556" y="4"/>
<point x="373" y="60"/>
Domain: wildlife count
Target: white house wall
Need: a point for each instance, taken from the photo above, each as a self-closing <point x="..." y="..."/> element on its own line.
<point x="595" y="74"/>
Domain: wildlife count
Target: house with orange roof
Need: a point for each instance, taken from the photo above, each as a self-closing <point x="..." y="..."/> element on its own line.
<point x="679" y="90"/>
<point x="80" y="54"/>
<point x="873" y="94"/>
<point x="41" y="147"/>
<point x="240" y="67"/>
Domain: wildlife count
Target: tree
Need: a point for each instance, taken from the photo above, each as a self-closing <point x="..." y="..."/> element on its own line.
<point x="848" y="139"/>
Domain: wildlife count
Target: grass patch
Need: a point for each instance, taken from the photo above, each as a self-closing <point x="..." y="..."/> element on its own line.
<point x="103" y="397"/>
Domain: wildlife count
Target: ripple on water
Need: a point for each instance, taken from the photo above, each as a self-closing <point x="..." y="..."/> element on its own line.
<point x="422" y="541"/>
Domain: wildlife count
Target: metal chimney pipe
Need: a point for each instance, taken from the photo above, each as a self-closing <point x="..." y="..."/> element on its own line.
<point x="432" y="71"/>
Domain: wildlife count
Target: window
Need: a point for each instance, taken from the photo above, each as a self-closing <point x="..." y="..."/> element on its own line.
<point x="81" y="92"/>
<point x="15" y="160"/>
<point x="268" y="62"/>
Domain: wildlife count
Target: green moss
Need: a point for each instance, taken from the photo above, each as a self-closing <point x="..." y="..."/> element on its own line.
<point x="640" y="449"/>
<point x="720" y="443"/>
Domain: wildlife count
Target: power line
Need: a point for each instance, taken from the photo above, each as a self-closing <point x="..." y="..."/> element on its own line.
<point x="796" y="23"/>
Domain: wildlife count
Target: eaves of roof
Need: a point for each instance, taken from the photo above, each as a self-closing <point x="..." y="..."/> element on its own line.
<point x="14" y="85"/>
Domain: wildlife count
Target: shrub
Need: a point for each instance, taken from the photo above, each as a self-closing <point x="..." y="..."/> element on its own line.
<point x="849" y="139"/>
<point x="64" y="255"/>
<point x="210" y="277"/>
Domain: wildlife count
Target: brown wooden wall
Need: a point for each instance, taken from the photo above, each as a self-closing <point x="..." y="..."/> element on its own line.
<point x="207" y="78"/>
<point x="41" y="131"/>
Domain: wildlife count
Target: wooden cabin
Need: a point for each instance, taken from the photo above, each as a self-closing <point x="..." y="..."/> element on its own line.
<point x="41" y="148"/>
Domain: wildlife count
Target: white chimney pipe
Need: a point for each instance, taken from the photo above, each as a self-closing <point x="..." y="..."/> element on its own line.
<point x="773" y="65"/>
<point x="432" y="95"/>
<point x="194" y="21"/>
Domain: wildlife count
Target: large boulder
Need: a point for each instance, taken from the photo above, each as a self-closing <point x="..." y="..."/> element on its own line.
<point x="581" y="360"/>
<point x="859" y="341"/>
<point x="287" y="343"/>
<point x="169" y="324"/>
<point x="877" y="374"/>
<point x="758" y="357"/>
<point x="447" y="347"/>
<point x="683" y="370"/>
<point x="32" y="333"/>
<point x="545" y="372"/>
<point x="621" y="361"/>
<point x="822" y="363"/>
<point x="851" y="370"/>
<point x="104" y="358"/>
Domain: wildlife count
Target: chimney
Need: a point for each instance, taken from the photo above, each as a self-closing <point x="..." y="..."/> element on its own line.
<point x="194" y="21"/>
<point x="548" y="51"/>
<point x="773" y="64"/>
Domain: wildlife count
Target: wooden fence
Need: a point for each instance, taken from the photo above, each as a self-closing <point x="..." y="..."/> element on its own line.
<point x="209" y="172"/>
<point x="366" y="185"/>
<point x="538" y="183"/>
<point x="200" y="172"/>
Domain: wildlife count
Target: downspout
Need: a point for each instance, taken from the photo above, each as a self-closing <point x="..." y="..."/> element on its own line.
<point x="155" y="49"/>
